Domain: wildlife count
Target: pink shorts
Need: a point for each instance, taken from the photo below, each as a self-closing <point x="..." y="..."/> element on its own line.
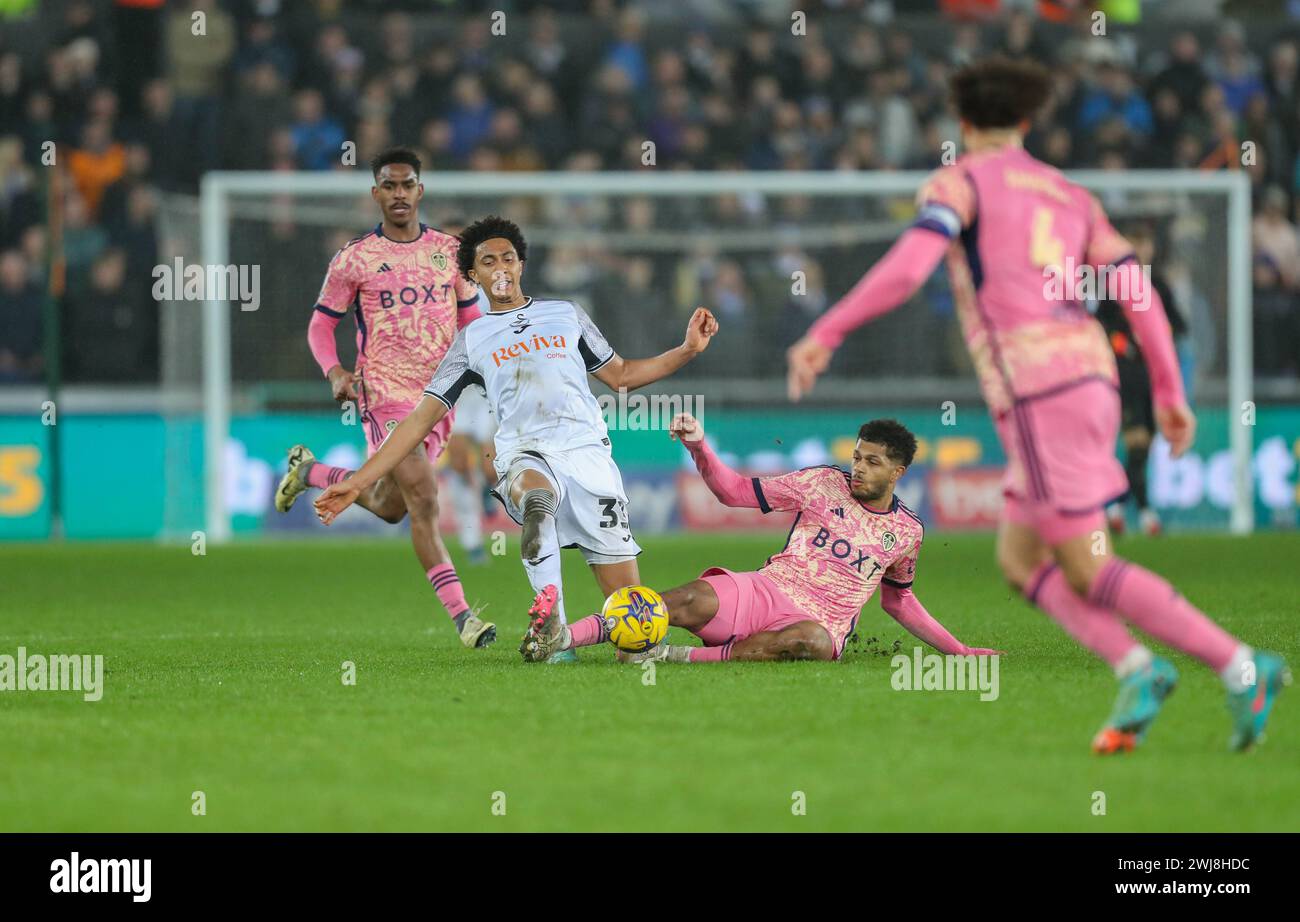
<point x="1061" y="463"/>
<point x="379" y="422"/>
<point x="1053" y="527"/>
<point x="748" y="602"/>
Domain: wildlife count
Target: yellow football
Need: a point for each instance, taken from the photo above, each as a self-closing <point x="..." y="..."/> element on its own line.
<point x="636" y="618"/>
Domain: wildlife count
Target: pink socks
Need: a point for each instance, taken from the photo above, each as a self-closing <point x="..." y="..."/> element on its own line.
<point x="587" y="631"/>
<point x="1148" y="602"/>
<point x="323" y="475"/>
<point x="445" y="582"/>
<point x="711" y="654"/>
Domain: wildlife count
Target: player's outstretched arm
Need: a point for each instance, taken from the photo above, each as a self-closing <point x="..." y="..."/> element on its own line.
<point x="891" y="281"/>
<point x="905" y="608"/>
<point x="731" y="488"/>
<point x="629" y="374"/>
<point x="409" y="433"/>
<point x="1146" y="315"/>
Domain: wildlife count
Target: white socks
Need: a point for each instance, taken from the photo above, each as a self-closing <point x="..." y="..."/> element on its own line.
<point x="546" y="568"/>
<point x="1234" y="674"/>
<point x="1134" y="660"/>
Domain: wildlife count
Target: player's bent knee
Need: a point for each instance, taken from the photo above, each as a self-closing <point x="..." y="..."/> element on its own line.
<point x="692" y="605"/>
<point x="805" y="640"/>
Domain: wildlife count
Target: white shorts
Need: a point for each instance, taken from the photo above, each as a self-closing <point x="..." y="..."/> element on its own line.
<point x="474" y="418"/>
<point x="592" y="511"/>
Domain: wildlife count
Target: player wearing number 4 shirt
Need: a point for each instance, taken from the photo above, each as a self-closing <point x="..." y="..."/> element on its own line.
<point x="557" y="477"/>
<point x="850" y="535"/>
<point x="1009" y="227"/>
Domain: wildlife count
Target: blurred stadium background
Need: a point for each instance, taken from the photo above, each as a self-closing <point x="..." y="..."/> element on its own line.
<point x="829" y="107"/>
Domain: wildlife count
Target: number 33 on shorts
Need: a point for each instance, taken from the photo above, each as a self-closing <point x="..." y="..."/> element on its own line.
<point x="613" y="513"/>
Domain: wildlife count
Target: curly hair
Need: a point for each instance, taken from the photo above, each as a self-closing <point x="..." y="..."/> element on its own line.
<point x="899" y="442"/>
<point x="486" y="229"/>
<point x="394" y="155"/>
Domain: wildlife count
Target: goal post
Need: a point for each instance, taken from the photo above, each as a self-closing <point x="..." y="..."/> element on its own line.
<point x="221" y="192"/>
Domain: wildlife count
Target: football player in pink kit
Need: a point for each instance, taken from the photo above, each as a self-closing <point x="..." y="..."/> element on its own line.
<point x="410" y="300"/>
<point x="851" y="535"/>
<point x="1005" y="223"/>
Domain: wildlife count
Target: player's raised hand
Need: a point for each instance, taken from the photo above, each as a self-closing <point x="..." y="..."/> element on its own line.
<point x="685" y="427"/>
<point x="1178" y="425"/>
<point x="342" y="383"/>
<point x="334" y="499"/>
<point x="700" y="330"/>
<point x="806" y="359"/>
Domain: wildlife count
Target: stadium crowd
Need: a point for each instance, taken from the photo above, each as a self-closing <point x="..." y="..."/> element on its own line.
<point x="140" y="107"/>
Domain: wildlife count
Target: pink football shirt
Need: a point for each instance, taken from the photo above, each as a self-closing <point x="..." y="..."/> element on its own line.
<point x="839" y="550"/>
<point x="1023" y="339"/>
<point x="407" y="295"/>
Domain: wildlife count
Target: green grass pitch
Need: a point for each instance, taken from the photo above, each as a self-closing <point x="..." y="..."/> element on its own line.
<point x="223" y="675"/>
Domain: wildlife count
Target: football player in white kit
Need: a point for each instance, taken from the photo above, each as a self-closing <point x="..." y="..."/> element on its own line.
<point x="556" y="475"/>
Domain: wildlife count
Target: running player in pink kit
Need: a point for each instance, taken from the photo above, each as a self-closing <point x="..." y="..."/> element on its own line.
<point x="1005" y="223"/>
<point x="850" y="536"/>
<point x="410" y="300"/>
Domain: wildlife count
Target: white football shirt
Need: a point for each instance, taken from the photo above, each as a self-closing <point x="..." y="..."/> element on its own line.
<point x="533" y="364"/>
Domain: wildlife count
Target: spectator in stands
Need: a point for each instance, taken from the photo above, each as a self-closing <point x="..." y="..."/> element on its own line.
<point x="627" y="53"/>
<point x="1115" y="96"/>
<point x="317" y="138"/>
<point x="262" y="45"/>
<point x="111" y="333"/>
<point x="163" y="132"/>
<point x="1235" y="68"/>
<point x="1277" y="286"/>
<point x="471" y="114"/>
<point x="253" y="85"/>
<point x="546" y="126"/>
<point x="1021" y="40"/>
<point x="261" y="105"/>
<point x="96" y="163"/>
<point x="13" y="88"/>
<point x="21" y="316"/>
<point x="511" y="144"/>
<point x="1283" y="84"/>
<point x="1183" y="75"/>
<point x="19" y="206"/>
<point x="200" y="44"/>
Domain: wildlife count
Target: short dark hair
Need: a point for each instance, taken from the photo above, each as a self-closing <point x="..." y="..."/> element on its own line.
<point x="997" y="92"/>
<point x="486" y="229"/>
<point x="394" y="155"/>
<point x="897" y="439"/>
